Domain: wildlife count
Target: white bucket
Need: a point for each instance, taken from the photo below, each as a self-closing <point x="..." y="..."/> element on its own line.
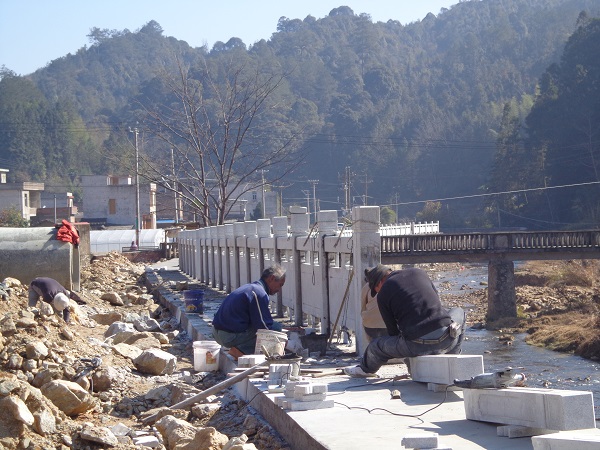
<point x="206" y="356"/>
<point x="274" y="342"/>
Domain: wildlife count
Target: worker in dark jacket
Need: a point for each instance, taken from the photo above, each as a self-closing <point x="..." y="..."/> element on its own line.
<point x="415" y="319"/>
<point x="246" y="310"/>
<point x="51" y="291"/>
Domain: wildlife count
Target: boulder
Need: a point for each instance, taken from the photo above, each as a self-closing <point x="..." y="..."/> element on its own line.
<point x="155" y="362"/>
<point x="68" y="396"/>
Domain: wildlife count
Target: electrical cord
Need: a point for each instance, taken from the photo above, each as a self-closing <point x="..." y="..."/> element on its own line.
<point x="385" y="380"/>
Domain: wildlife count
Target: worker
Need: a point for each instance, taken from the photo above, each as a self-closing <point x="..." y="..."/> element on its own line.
<point x="372" y="321"/>
<point x="51" y="291"/>
<point x="246" y="310"/>
<point x="415" y="319"/>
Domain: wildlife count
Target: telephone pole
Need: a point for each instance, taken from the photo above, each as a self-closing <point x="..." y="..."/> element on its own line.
<point x="135" y="132"/>
<point x="314" y="189"/>
<point x="264" y="208"/>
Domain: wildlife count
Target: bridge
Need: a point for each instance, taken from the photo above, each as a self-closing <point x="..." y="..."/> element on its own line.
<point x="325" y="263"/>
<point x="494" y="246"/>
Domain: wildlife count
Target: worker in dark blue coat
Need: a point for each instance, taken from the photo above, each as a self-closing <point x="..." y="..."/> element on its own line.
<point x="246" y="310"/>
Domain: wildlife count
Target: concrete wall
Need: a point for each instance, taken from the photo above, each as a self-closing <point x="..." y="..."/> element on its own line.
<point x="26" y="253"/>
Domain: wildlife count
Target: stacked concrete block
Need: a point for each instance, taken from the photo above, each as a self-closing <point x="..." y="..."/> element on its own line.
<point x="548" y="409"/>
<point x="517" y="431"/>
<point x="248" y="361"/>
<point x="582" y="440"/>
<point x="304" y="396"/>
<point x="444" y="369"/>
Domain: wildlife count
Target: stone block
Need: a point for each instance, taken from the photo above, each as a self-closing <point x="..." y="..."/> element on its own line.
<point x="309" y="397"/>
<point x="550" y="409"/>
<point x="582" y="440"/>
<point x="306" y="406"/>
<point x="444" y="369"/>
<point x="420" y="440"/>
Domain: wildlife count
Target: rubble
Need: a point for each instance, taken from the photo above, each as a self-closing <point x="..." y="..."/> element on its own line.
<point x="88" y="384"/>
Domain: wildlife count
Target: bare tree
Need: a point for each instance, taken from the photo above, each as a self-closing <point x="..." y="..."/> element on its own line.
<point x="222" y="133"/>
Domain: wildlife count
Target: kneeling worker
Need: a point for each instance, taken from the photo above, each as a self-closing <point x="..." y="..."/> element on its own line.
<point x="51" y="291"/>
<point x="246" y="310"/>
<point x="416" y="321"/>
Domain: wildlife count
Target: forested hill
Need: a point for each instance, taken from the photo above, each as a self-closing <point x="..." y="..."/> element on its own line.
<point x="400" y="112"/>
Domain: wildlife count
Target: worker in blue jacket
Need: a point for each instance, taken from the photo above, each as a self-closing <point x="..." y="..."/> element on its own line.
<point x="246" y="310"/>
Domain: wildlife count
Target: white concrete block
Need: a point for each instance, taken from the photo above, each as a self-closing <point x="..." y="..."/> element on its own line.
<point x="309" y="397"/>
<point x="444" y="369"/>
<point x="250" y="360"/>
<point x="550" y="409"/>
<point x="581" y="440"/>
<point x="306" y="406"/>
<point x="420" y="440"/>
<point x="319" y="388"/>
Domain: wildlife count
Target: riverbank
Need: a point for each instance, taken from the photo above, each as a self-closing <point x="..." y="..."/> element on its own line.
<point x="558" y="305"/>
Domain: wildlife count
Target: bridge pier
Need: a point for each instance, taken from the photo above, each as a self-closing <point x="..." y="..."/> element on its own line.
<point x="502" y="297"/>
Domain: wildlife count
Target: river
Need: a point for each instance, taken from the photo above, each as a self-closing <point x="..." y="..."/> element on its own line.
<point x="543" y="368"/>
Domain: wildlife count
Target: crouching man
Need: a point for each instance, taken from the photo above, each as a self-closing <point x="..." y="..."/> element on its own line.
<point x="51" y="291"/>
<point x="415" y="319"/>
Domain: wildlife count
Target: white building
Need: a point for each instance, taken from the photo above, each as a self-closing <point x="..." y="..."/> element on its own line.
<point x="112" y="199"/>
<point x="25" y="196"/>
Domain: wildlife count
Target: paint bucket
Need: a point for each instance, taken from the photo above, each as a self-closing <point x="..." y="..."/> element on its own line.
<point x="206" y="356"/>
<point x="274" y="342"/>
<point x="194" y="300"/>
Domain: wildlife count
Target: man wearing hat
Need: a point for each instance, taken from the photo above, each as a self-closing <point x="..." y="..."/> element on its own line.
<point x="415" y="319"/>
<point x="51" y="291"/>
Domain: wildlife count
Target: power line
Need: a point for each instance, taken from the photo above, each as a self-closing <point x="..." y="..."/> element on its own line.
<point x="494" y="193"/>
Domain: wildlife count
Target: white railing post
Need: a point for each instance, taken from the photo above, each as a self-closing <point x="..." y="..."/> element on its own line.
<point x="300" y="222"/>
<point x="327" y="221"/>
<point x="280" y="231"/>
<point x="367" y="253"/>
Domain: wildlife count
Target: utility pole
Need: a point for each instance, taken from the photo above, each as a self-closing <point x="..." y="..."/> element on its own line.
<point x="347" y="184"/>
<point x="135" y="132"/>
<point x="366" y="189"/>
<point x="314" y="188"/>
<point x="174" y="188"/>
<point x="264" y="208"/>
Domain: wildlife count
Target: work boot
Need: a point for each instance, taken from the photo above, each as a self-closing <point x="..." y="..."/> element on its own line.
<point x="357" y="372"/>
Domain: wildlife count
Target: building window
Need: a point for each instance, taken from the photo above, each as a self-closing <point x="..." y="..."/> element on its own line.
<point x="112" y="206"/>
<point x="26" y="200"/>
<point x="113" y="181"/>
<point x="254" y="196"/>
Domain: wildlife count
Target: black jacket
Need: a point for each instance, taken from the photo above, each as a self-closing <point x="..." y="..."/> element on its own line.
<point x="410" y="305"/>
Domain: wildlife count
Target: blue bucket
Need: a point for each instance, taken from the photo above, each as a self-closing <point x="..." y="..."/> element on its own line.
<point x="194" y="300"/>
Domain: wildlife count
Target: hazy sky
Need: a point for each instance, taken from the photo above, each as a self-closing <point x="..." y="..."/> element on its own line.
<point x="35" y="32"/>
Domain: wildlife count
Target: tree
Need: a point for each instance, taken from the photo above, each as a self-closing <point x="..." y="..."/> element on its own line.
<point x="387" y="215"/>
<point x="225" y="127"/>
<point x="11" y="217"/>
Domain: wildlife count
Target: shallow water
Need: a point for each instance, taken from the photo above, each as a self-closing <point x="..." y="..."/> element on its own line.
<point x="543" y="368"/>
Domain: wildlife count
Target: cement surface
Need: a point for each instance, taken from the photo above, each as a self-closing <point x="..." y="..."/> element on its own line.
<point x="364" y="414"/>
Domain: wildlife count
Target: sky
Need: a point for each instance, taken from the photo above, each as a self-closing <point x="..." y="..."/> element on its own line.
<point x="35" y="32"/>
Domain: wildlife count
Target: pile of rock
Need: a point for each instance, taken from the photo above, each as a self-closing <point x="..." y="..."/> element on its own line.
<point x="86" y="385"/>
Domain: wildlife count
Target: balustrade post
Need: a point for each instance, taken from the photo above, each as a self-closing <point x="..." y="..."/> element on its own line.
<point x="328" y="221"/>
<point x="229" y="242"/>
<point x="366" y="253"/>
<point x="280" y="230"/>
<point x="238" y="233"/>
<point x="300" y="222"/>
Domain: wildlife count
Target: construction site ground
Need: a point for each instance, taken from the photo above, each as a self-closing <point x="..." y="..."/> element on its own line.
<point x="364" y="414"/>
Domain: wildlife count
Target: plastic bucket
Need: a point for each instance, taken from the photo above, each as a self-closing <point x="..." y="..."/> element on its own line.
<point x="206" y="356"/>
<point x="274" y="342"/>
<point x="194" y="300"/>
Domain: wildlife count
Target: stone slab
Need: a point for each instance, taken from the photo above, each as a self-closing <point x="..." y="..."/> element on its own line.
<point x="444" y="369"/>
<point x="536" y="408"/>
<point x="582" y="440"/>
